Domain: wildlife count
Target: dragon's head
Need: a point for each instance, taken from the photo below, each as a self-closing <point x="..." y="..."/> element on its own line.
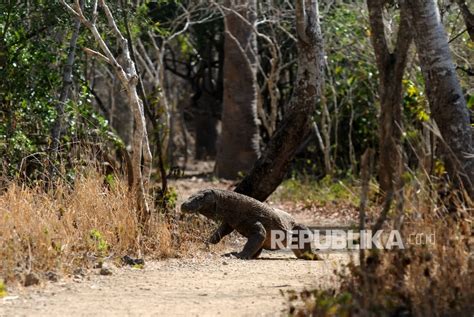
<point x="201" y="202"/>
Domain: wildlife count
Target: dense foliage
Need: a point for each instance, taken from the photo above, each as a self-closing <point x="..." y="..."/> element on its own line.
<point x="34" y="46"/>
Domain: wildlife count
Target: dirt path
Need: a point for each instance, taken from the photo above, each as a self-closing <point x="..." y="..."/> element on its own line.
<point x="206" y="286"/>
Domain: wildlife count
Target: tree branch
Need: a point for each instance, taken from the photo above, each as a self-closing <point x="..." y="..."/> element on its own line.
<point x="96" y="54"/>
<point x="377" y="29"/>
<point x="468" y="17"/>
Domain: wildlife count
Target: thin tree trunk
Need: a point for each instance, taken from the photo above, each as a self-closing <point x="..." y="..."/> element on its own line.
<point x="365" y="178"/>
<point x="468" y="17"/>
<point x="63" y="97"/>
<point x="147" y="156"/>
<point x="391" y="66"/>
<point x="448" y="106"/>
<point x="352" y="154"/>
<point x="273" y="164"/>
<point x="333" y="122"/>
<point x="326" y="127"/>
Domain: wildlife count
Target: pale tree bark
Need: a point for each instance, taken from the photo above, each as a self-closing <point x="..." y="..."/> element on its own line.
<point x="391" y="66"/>
<point x="326" y="128"/>
<point x="447" y="103"/>
<point x="147" y="109"/>
<point x="127" y="74"/>
<point x="332" y="121"/>
<point x="272" y="166"/>
<point x="158" y="78"/>
<point x="238" y="144"/>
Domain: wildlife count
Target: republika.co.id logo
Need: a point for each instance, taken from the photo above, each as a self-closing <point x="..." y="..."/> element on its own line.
<point x="337" y="240"/>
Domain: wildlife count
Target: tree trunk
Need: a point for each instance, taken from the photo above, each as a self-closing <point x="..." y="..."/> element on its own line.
<point x="326" y="127"/>
<point x="126" y="72"/>
<point x="391" y="67"/>
<point x="270" y="169"/>
<point x="238" y="145"/>
<point x="448" y="106"/>
<point x="468" y="17"/>
<point x="63" y="97"/>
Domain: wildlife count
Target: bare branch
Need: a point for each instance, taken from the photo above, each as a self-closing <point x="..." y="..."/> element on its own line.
<point x="71" y="10"/>
<point x="111" y="20"/>
<point x="145" y="60"/>
<point x="96" y="54"/>
<point x="94" y="12"/>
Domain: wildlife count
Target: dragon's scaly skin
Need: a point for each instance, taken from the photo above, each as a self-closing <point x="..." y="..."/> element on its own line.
<point x="250" y="217"/>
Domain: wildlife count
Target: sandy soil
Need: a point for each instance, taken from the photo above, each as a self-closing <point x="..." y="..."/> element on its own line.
<point x="209" y="285"/>
<point x="204" y="285"/>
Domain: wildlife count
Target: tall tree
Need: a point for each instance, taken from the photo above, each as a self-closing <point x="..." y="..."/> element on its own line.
<point x="273" y="164"/>
<point x="238" y="145"/>
<point x="447" y="103"/>
<point x="391" y="66"/>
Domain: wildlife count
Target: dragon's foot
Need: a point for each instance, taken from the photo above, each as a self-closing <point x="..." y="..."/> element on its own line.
<point x="238" y="255"/>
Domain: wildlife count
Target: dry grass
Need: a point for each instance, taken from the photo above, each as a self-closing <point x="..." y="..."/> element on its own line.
<point x="76" y="226"/>
<point x="431" y="278"/>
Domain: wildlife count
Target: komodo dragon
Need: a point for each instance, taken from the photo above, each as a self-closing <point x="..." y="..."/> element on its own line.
<point x="249" y="217"/>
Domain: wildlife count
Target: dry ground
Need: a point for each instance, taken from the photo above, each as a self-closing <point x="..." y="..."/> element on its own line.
<point x="205" y="284"/>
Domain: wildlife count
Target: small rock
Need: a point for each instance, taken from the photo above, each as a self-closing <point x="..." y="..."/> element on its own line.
<point x="106" y="269"/>
<point x="10" y="298"/>
<point x="79" y="272"/>
<point x="52" y="276"/>
<point x="225" y="263"/>
<point x="132" y="261"/>
<point x="31" y="279"/>
<point x="98" y="265"/>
